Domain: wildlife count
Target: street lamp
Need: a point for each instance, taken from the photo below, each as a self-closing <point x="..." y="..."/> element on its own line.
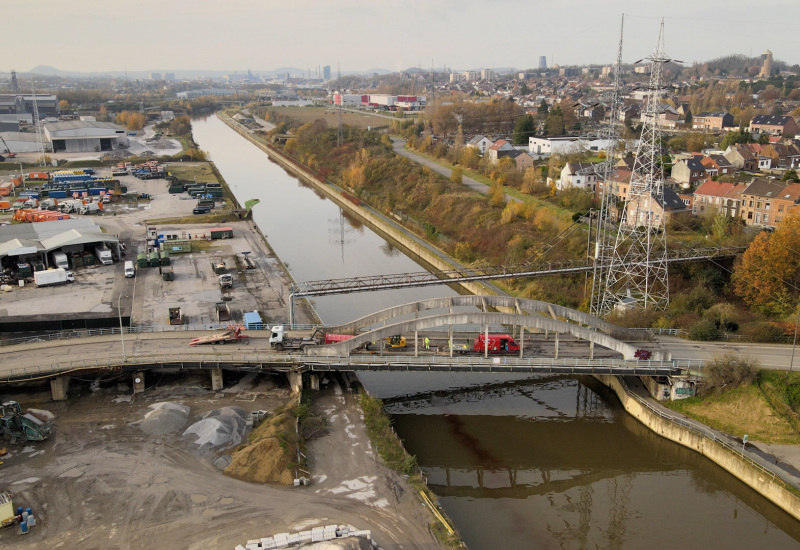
<point x="121" y="329"/>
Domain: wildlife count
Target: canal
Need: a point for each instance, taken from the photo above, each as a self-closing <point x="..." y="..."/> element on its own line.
<point x="517" y="462"/>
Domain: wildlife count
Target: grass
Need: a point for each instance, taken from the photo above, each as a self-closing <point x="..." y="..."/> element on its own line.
<point x="766" y="411"/>
<point x="310" y="114"/>
<point x="558" y="211"/>
<point x="201" y="172"/>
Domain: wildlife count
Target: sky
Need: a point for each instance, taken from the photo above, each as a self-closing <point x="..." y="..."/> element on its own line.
<point x="358" y="35"/>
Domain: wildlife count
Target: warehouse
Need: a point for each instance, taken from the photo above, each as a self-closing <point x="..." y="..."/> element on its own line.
<point x="22" y="142"/>
<point x="35" y="242"/>
<point x="80" y="136"/>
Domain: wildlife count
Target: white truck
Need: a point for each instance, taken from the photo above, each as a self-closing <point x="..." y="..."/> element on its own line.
<point x="103" y="255"/>
<point x="89" y="208"/>
<point x="278" y="340"/>
<point x="130" y="270"/>
<point x="60" y="259"/>
<point x="53" y="277"/>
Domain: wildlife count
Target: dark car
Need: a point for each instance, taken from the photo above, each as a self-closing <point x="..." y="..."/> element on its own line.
<point x="201" y="210"/>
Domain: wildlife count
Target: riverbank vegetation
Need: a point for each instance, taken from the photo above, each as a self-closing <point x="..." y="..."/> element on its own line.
<point x="738" y="398"/>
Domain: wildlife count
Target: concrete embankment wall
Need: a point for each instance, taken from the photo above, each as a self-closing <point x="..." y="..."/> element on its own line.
<point x="704" y="441"/>
<point x="376" y="223"/>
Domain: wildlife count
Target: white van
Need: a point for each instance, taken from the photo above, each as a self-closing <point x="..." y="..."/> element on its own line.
<point x="130" y="271"/>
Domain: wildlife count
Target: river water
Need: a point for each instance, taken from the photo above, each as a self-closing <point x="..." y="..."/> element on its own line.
<point x="517" y="462"/>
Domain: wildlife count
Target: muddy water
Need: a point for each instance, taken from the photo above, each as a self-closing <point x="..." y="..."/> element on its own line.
<point x="547" y="462"/>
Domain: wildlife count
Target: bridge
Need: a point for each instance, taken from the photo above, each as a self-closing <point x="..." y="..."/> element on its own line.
<point x="553" y="339"/>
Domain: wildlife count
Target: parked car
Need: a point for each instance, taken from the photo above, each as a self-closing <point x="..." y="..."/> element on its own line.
<point x="201" y="210"/>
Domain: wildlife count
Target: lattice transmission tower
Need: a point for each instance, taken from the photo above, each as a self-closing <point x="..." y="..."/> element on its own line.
<point x="603" y="226"/>
<point x="38" y="122"/>
<point x="637" y="270"/>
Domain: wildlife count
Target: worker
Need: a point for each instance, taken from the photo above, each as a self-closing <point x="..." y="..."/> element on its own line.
<point x="427" y="343"/>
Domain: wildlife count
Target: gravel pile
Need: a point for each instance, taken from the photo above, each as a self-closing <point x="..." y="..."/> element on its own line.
<point x="218" y="428"/>
<point x="164" y="418"/>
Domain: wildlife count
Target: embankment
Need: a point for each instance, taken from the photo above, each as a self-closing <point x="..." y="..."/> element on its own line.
<point x="381" y="225"/>
<point x="698" y="438"/>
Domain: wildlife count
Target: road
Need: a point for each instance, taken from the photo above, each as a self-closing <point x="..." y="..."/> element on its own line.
<point x="399" y="144"/>
<point x="770" y="356"/>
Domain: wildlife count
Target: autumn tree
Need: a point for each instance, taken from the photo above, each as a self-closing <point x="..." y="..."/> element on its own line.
<point x="767" y="277"/>
<point x="63" y="105"/>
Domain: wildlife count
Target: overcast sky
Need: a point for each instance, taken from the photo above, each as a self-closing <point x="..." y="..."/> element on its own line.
<point x="261" y="35"/>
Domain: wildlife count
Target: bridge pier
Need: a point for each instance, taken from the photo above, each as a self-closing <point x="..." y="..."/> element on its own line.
<point x="591" y="350"/>
<point x="138" y="382"/>
<point x="555" y="356"/>
<point x="216" y="379"/>
<point x="521" y="341"/>
<point x="295" y="381"/>
<point x="314" y="381"/>
<point x="59" y="386"/>
<point x="416" y="343"/>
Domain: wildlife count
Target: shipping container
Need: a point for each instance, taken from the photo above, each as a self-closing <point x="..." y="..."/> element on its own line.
<point x="6" y="189"/>
<point x="222" y="233"/>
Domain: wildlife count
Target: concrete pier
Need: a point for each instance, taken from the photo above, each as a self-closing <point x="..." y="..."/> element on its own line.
<point x="295" y="381"/>
<point x="59" y="386"/>
<point x="216" y="380"/>
<point x="138" y="382"/>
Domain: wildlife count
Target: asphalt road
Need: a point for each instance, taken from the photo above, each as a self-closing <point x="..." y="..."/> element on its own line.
<point x="770" y="356"/>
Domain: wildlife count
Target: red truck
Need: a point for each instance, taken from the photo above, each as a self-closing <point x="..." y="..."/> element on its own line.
<point x="498" y="343"/>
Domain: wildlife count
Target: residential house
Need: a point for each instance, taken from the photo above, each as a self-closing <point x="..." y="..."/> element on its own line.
<point x="651" y="211"/>
<point x="689" y="172"/>
<point x="782" y="155"/>
<point x="581" y="175"/>
<point x="742" y="157"/>
<point x="710" y="195"/>
<point x="523" y="159"/>
<point x="712" y="121"/>
<point x="788" y="199"/>
<point x="718" y="165"/>
<point x="731" y="206"/>
<point x="496" y="147"/>
<point x="630" y="112"/>
<point x="775" y="125"/>
<point x="668" y="117"/>
<point x="758" y="202"/>
<point x="481" y="143"/>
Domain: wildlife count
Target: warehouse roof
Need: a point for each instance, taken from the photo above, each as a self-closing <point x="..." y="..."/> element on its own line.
<point x="29" y="238"/>
<point x="78" y="124"/>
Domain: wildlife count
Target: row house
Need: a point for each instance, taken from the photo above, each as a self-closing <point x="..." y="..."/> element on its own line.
<point x="775" y="125"/>
<point x="766" y="202"/>
<point x="720" y="196"/>
<point x="712" y="121"/>
<point x="782" y="155"/>
<point x="718" y="165"/>
<point x="650" y="210"/>
<point x="689" y="172"/>
<point x="742" y="156"/>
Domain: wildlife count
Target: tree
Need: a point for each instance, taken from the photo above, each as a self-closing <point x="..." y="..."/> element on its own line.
<point x="688" y="117"/>
<point x="543" y="110"/>
<point x="63" y="105"/>
<point x="791" y="175"/>
<point x="524" y="90"/>
<point x="457" y="175"/>
<point x="767" y="277"/>
<point x="524" y="129"/>
<point x="731" y="138"/>
<point x="763" y="139"/>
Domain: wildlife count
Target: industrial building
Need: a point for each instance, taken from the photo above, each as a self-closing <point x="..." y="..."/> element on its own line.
<point x="390" y="102"/>
<point x="11" y="104"/>
<point x="79" y="136"/>
<point x="34" y="243"/>
<point x="20" y="142"/>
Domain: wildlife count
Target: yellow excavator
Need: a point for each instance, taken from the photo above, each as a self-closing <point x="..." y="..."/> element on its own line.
<point x="396" y="341"/>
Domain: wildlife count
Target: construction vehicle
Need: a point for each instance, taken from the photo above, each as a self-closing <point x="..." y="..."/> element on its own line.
<point x="8" y="152"/>
<point x="248" y="263"/>
<point x="232" y="335"/>
<point x="19" y="427"/>
<point x="396" y="341"/>
<point x="280" y="341"/>
<point x="226" y="280"/>
<point x="176" y="316"/>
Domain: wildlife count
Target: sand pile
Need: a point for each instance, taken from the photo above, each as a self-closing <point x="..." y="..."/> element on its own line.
<point x="165" y="417"/>
<point x="218" y="428"/>
<point x="266" y="457"/>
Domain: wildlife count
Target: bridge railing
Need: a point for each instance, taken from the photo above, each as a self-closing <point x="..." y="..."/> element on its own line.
<point x="263" y="359"/>
<point x="87" y="333"/>
<point x="709" y="434"/>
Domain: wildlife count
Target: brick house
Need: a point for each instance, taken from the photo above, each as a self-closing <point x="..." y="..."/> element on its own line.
<point x="712" y="121"/>
<point x="775" y="125"/>
<point x="742" y="157"/>
<point x="649" y="211"/>
<point x="496" y="147"/>
<point x="521" y="158"/>
<point x="788" y="199"/>
<point x="710" y="195"/>
<point x="718" y="165"/>
<point x="758" y="206"/>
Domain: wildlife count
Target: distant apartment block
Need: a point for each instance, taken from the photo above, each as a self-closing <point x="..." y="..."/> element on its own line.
<point x="389" y="102"/>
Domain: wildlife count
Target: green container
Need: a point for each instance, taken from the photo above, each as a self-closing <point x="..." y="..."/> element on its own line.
<point x="174" y="189"/>
<point x="77" y="261"/>
<point x="167" y="274"/>
<point x="165" y="257"/>
<point x="141" y="259"/>
<point x="153" y="260"/>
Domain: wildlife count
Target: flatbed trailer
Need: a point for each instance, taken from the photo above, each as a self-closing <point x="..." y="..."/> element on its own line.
<point x="232" y="335"/>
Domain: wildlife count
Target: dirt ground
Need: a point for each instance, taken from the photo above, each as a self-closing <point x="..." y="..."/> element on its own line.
<point x="100" y="482"/>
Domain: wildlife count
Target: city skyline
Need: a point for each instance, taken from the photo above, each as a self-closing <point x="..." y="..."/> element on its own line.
<point x="459" y="34"/>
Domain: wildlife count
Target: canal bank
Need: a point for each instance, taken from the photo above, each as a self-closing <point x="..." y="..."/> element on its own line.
<point x="774" y="483"/>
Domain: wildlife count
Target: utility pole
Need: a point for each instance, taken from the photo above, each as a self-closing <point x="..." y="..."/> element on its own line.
<point x="339" y="137"/>
<point x="38" y="122"/>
